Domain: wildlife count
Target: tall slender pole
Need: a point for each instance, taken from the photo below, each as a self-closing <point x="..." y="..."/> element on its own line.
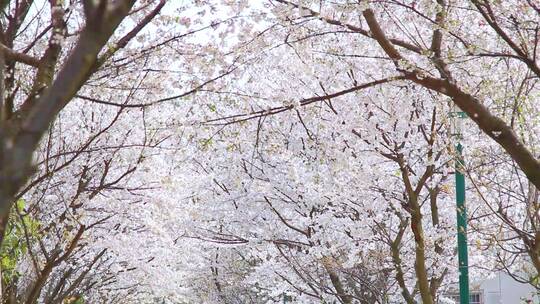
<point x="463" y="256"/>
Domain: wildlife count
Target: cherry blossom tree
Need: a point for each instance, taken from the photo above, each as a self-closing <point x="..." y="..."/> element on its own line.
<point x="79" y="79"/>
<point x="264" y="151"/>
<point x="363" y="83"/>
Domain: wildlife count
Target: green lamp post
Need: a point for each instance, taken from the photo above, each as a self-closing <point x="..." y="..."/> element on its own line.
<point x="463" y="256"/>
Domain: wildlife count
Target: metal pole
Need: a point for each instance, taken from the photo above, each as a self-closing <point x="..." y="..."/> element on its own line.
<point x="463" y="257"/>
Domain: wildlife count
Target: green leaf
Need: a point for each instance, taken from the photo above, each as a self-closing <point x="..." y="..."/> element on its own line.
<point x="15" y="244"/>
